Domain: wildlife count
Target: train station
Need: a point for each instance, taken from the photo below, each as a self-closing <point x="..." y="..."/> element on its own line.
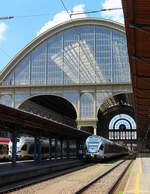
<point x="78" y="72"/>
<point x="83" y="77"/>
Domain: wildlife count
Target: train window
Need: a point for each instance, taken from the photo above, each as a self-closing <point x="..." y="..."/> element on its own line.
<point x="45" y="150"/>
<point x="1" y="149"/>
<point x="24" y="147"/>
<point x="101" y="147"/>
<point x="31" y="149"/>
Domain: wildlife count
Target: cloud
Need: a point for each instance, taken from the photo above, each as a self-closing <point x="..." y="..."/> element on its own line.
<point x="116" y="15"/>
<point x="3" y="28"/>
<point x="62" y="17"/>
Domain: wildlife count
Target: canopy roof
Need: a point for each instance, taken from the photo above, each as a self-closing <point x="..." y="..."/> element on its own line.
<point x="22" y="122"/>
<point x="137" y="24"/>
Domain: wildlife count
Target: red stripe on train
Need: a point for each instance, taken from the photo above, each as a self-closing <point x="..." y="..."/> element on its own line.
<point x="4" y="140"/>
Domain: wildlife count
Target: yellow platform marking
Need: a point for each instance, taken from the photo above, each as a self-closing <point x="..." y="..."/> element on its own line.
<point x="138" y="177"/>
<point x="140" y="166"/>
<point x="137" y="184"/>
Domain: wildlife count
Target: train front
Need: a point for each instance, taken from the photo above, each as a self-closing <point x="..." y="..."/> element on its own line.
<point x="93" y="149"/>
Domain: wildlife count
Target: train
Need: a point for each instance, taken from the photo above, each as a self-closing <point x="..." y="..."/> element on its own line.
<point x="25" y="148"/>
<point x="4" y="148"/>
<point x="99" y="148"/>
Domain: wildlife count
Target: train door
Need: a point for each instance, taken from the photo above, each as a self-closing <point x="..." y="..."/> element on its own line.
<point x="3" y="151"/>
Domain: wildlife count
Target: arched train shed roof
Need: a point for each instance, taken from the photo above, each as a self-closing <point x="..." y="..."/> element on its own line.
<point x="54" y="31"/>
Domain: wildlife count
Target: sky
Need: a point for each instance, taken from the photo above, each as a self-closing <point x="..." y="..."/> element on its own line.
<point x="32" y="17"/>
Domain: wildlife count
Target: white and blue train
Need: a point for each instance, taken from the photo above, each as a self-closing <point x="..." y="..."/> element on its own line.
<point x="25" y="148"/>
<point x="99" y="148"/>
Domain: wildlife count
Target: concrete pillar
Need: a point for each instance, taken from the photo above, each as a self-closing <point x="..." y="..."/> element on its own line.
<point x="95" y="110"/>
<point x="13" y="99"/>
<point x="78" y="113"/>
<point x="14" y="147"/>
<point x="95" y="130"/>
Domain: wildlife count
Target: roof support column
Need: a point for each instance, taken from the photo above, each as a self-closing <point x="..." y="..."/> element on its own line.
<point x="61" y="149"/>
<point x="39" y="149"/>
<point x="14" y="147"/>
<point x="35" y="148"/>
<point x="77" y="148"/>
<point x="50" y="148"/>
<point x="56" y="148"/>
<point x="68" y="148"/>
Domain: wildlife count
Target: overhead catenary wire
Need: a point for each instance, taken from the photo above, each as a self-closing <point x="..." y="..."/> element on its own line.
<point x="70" y="14"/>
<point x="65" y="8"/>
<point x="25" y="16"/>
<point x="95" y="11"/>
<point x="5" y="52"/>
<point x="6" y="18"/>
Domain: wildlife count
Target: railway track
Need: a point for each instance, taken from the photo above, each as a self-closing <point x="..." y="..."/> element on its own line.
<point x="24" y="183"/>
<point x="108" y="181"/>
<point x="76" y="180"/>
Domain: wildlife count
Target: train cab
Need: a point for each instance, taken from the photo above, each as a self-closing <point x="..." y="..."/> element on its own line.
<point x="97" y="147"/>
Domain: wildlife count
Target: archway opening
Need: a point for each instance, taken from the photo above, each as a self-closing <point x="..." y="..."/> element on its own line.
<point x="116" y="119"/>
<point x="52" y="107"/>
<point x="118" y="125"/>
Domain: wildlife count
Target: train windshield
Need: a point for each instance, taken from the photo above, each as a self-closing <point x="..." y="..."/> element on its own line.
<point x="93" y="144"/>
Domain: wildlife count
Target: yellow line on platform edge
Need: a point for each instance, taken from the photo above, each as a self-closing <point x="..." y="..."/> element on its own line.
<point x="140" y="166"/>
<point x="138" y="177"/>
<point x="137" y="183"/>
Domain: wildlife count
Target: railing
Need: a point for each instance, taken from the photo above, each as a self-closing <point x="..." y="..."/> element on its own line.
<point x="129" y="134"/>
<point x="52" y="82"/>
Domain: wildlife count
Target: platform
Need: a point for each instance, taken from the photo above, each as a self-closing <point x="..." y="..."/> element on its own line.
<point x="10" y="174"/>
<point x="139" y="179"/>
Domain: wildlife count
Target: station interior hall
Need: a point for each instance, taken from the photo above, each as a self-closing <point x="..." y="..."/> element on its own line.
<point x="79" y="94"/>
<point x="84" y="82"/>
<point x="78" y="73"/>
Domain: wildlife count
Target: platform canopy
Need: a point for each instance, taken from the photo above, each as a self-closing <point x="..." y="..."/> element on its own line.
<point x="25" y="123"/>
<point x="137" y="24"/>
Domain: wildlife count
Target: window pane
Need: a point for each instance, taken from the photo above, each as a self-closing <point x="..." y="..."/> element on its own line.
<point x="38" y="65"/>
<point x="86" y="105"/>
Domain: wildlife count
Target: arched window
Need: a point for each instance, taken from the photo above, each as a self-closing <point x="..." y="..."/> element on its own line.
<point x="83" y="54"/>
<point x="122" y="126"/>
<point x="118" y="121"/>
<point x="86" y="105"/>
